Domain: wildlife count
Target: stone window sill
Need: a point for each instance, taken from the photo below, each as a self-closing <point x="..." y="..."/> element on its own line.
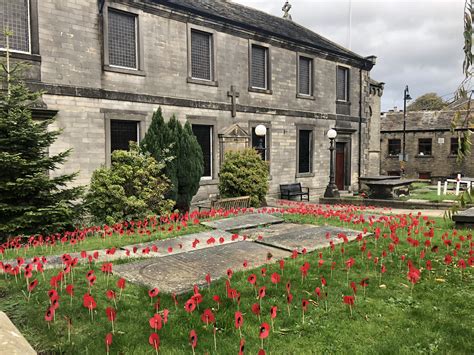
<point x="305" y="97"/>
<point x="424" y="156"/>
<point x="261" y="91"/>
<point x="304" y="175"/>
<point x="207" y="182"/>
<point x="22" y="56"/>
<point x="393" y="156"/>
<point x="202" y="82"/>
<point x="124" y="70"/>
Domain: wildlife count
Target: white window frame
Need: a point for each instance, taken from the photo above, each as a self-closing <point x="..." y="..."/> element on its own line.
<point x="346" y="83"/>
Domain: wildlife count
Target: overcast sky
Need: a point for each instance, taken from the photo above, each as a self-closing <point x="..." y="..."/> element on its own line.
<point x="418" y="42"/>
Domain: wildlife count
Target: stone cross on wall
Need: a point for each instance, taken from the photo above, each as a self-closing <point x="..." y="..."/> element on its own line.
<point x="286" y="9"/>
<point x="233" y="95"/>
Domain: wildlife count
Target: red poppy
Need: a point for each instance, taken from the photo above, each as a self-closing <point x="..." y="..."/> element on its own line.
<point x="153" y="293"/>
<point x="304" y="304"/>
<point x="245" y="263"/>
<point x="111" y="314"/>
<point x="216" y="299"/>
<point x="156" y="322"/>
<point x="289" y="298"/>
<point x="108" y="341"/>
<point x="110" y="294"/>
<point x="229" y="273"/>
<point x="190" y="305"/>
<point x="448" y="259"/>
<point x="252" y="279"/>
<point x="294" y="254"/>
<point x="414" y="275"/>
<point x="154" y="340"/>
<point x="263" y="271"/>
<point x="264" y="330"/>
<point x="193" y="338"/>
<point x="288" y="287"/>
<point x="261" y="292"/>
<point x="282" y="264"/>
<point x="364" y="282"/>
<point x="261" y="352"/>
<point x="208" y="279"/>
<point x="383" y="270"/>
<point x="256" y="309"/>
<point x="461" y="264"/>
<point x="242" y="346"/>
<point x="349" y="300"/>
<point x="32" y="285"/>
<point x="354" y="287"/>
<point x="275" y="278"/>
<point x="208" y="317"/>
<point x="89" y="302"/>
<point x="273" y="312"/>
<point x="239" y="319"/>
<point x="121" y="283"/>
<point x="350" y="263"/>
<point x="49" y="316"/>
<point x="323" y="281"/>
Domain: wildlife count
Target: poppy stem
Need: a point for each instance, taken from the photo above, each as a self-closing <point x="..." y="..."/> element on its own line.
<point x="350" y="307"/>
<point x="240" y="332"/>
<point x="272" y="326"/>
<point x="288" y="306"/>
<point x="215" y="341"/>
<point x="262" y="342"/>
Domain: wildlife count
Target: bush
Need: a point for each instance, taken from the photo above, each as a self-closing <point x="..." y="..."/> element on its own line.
<point x="244" y="173"/>
<point x="134" y="187"/>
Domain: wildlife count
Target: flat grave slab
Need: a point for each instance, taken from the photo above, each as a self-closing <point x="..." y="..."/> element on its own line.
<point x="12" y="341"/>
<point x="180" y="272"/>
<point x="243" y="221"/>
<point x="465" y="219"/>
<point x="310" y="237"/>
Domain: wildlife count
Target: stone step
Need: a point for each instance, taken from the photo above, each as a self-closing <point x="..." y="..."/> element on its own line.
<point x="243" y="222"/>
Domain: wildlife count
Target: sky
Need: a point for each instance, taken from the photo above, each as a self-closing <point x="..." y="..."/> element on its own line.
<point x="417" y="42"/>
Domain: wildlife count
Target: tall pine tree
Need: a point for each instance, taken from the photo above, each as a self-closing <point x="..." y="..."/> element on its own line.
<point x="30" y="200"/>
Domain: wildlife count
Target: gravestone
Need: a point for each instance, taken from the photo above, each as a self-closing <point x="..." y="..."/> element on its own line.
<point x="178" y="273"/>
<point x="310" y="237"/>
<point x="12" y="341"/>
<point x="464" y="219"/>
<point x="243" y="222"/>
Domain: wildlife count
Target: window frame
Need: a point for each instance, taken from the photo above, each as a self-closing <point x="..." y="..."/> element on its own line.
<point x="419" y="146"/>
<point x="388" y="147"/>
<point x="212" y="148"/>
<point x="139" y="50"/>
<point x="311" y="77"/>
<point x="213" y="53"/>
<point x="121" y="115"/>
<point x="34" y="52"/>
<point x="299" y="174"/>
<point x="347" y="97"/>
<point x="268" y="137"/>
<point x="268" y="69"/>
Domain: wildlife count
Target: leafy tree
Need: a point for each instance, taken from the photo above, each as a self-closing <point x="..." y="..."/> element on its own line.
<point x="430" y="101"/>
<point x="31" y="201"/>
<point x="244" y="173"/>
<point x="185" y="170"/>
<point x="134" y="187"/>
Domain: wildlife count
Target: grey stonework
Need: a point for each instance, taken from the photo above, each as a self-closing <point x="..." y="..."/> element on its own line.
<point x="84" y="92"/>
<point x="423" y="124"/>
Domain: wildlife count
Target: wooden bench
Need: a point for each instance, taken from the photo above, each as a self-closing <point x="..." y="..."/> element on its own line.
<point x="226" y="203"/>
<point x="287" y="191"/>
<point x="384" y="189"/>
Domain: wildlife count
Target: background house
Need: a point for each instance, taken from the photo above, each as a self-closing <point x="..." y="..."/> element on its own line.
<point x="106" y="66"/>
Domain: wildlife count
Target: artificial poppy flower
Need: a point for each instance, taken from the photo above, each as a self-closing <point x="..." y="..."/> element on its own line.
<point x="32" y="285"/>
<point x="154" y="340"/>
<point x="275" y="278"/>
<point x="193" y="339"/>
<point x="111" y="314"/>
<point x="261" y="292"/>
<point x="208" y="317"/>
<point x="256" y="309"/>
<point x="242" y="346"/>
<point x="349" y="300"/>
<point x="252" y="279"/>
<point x="190" y="305"/>
<point x="156" y="322"/>
<point x="273" y="312"/>
<point x="153" y="292"/>
<point x="208" y="279"/>
<point x="121" y="283"/>
<point x="108" y="341"/>
<point x="264" y="331"/>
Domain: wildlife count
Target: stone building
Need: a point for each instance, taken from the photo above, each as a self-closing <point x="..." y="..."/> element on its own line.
<point x="107" y="65"/>
<point x="431" y="146"/>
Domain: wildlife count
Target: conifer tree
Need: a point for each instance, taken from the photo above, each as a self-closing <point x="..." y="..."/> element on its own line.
<point x="31" y="201"/>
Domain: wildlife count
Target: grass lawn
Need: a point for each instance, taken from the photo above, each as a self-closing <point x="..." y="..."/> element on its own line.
<point x="435" y="316"/>
<point x="96" y="241"/>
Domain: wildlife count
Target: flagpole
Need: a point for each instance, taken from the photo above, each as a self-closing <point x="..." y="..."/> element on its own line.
<point x="350" y="25"/>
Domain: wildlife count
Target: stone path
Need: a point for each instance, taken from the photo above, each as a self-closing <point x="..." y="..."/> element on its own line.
<point x="243" y="222"/>
<point x="179" y="272"/>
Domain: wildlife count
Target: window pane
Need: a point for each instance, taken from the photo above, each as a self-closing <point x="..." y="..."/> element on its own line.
<point x="305" y="81"/>
<point x="14" y="16"/>
<point x="304" y="153"/>
<point x="424" y="146"/>
<point x="201" y="63"/>
<point x="259" y="142"/>
<point x="342" y="84"/>
<point x="394" y="146"/>
<point x="122" y="40"/>
<point x="259" y="67"/>
<point x="203" y="134"/>
<point x="121" y="133"/>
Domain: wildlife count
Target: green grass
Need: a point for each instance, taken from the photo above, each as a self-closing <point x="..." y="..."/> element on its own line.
<point x="97" y="242"/>
<point x="435" y="318"/>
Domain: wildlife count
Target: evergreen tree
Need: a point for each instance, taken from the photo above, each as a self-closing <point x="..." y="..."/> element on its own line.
<point x="30" y="200"/>
<point x="186" y="169"/>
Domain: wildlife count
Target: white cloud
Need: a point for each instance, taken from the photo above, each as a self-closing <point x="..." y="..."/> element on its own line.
<point x="417" y="42"/>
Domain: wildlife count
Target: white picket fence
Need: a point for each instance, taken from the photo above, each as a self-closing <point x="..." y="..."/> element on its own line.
<point x="459" y="185"/>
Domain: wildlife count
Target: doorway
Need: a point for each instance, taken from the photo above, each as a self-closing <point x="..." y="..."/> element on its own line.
<point x="341" y="165"/>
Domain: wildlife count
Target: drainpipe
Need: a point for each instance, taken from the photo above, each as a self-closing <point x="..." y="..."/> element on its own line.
<point x="360" y="128"/>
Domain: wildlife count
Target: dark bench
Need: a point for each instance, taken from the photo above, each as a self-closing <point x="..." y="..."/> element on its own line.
<point x="287" y="191"/>
<point x="226" y="203"/>
<point x="384" y="189"/>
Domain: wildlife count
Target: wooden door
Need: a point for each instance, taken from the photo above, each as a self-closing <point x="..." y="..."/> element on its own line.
<point x="340" y="165"/>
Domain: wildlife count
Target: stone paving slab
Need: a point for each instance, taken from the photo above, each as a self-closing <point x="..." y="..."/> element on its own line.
<point x="178" y="273"/>
<point x="11" y="340"/>
<point x="243" y="221"/>
<point x="304" y="236"/>
<point x="180" y="244"/>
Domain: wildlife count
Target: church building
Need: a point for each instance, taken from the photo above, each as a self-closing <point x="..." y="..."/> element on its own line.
<point x="106" y="65"/>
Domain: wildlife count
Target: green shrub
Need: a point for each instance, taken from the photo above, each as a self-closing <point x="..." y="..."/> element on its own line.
<point x="244" y="173"/>
<point x="133" y="187"/>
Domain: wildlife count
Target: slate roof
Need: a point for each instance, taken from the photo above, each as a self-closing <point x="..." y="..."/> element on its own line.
<point x="245" y="17"/>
